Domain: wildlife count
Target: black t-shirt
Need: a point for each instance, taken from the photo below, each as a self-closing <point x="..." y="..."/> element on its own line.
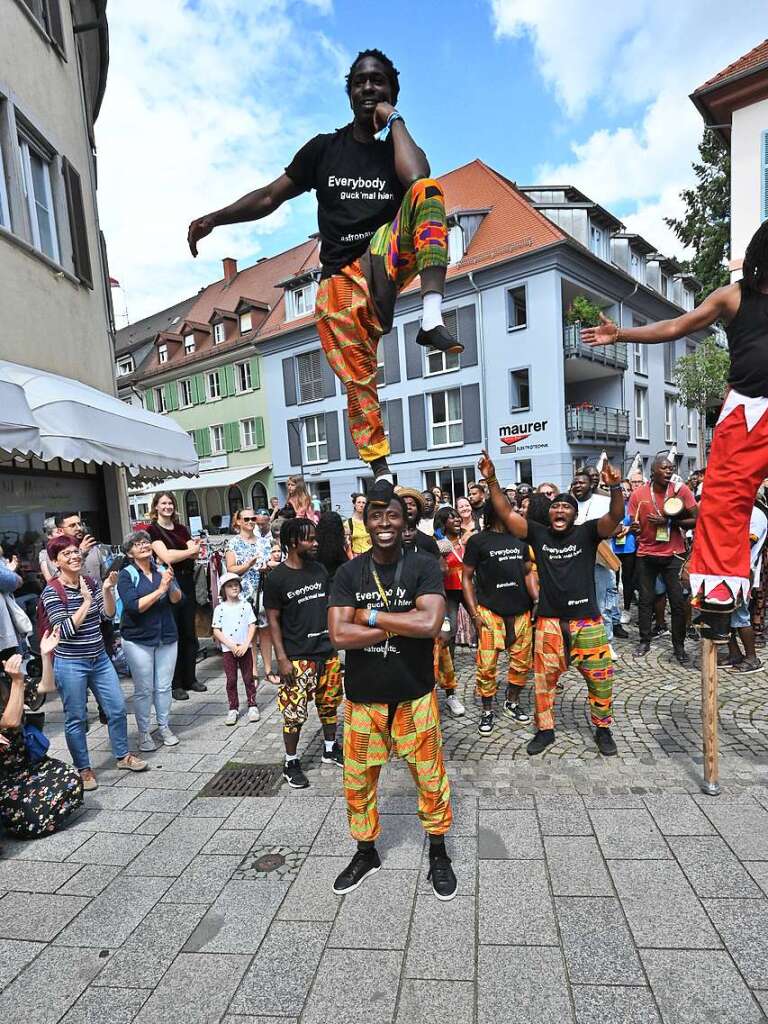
<point x="301" y="597"/>
<point x="407" y="672"/>
<point x="357" y="189"/>
<point x="499" y="563"/>
<point x="566" y="564"/>
<point x="425" y="544"/>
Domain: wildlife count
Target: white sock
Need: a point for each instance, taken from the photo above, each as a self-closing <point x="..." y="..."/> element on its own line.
<point x="431" y="310"/>
<point x="291" y="757"/>
<point x="329" y="745"/>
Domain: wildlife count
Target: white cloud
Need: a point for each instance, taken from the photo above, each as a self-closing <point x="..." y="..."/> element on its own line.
<point x="203" y="104"/>
<point x="640" y="60"/>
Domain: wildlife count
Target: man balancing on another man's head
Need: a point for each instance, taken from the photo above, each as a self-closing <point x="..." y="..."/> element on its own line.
<point x="569" y="628"/>
<point x="386" y="608"/>
<point x="382" y="222"/>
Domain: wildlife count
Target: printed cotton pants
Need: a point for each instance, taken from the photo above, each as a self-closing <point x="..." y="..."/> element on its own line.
<point x="492" y="640"/>
<point x="587" y="648"/>
<point x="355" y="307"/>
<point x="312" y="680"/>
<point x="413" y="729"/>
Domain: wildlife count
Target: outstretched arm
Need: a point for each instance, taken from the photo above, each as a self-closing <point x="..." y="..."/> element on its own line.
<point x="606" y="525"/>
<point x="721" y="304"/>
<point x="515" y="524"/>
<point x="253" y="206"/>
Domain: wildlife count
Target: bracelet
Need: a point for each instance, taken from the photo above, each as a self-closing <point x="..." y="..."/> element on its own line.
<point x="384" y="132"/>
<point x="373" y="614"/>
<point x="492" y="480"/>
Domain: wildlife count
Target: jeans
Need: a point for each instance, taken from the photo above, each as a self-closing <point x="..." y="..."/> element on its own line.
<point x="184" y="616"/>
<point x="152" y="673"/>
<point x="607" y="598"/>
<point x="74" y="677"/>
<point x="647" y="569"/>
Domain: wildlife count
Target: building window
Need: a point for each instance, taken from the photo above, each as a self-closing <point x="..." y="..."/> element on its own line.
<point x="5" y="213"/>
<point x="124" y="367"/>
<point x="243" y="377"/>
<point x="445" y="418"/>
<point x="453" y="481"/>
<point x="217" y="438"/>
<point x="665" y="285"/>
<point x="519" y="390"/>
<point x="692" y="429"/>
<point x="637" y="266"/>
<point x="524" y="471"/>
<point x="669" y="418"/>
<point x="191" y="506"/>
<point x="441" y="362"/>
<point x="316" y="444"/>
<point x="36" y="180"/>
<point x="245" y="323"/>
<point x="248" y="433"/>
<point x="159" y="396"/>
<point x="219" y="333"/>
<point x="641" y="358"/>
<point x="185" y="394"/>
<point x="517" y="308"/>
<point x="259" y="496"/>
<point x="189" y="344"/>
<point x="455" y="244"/>
<point x="641" y="413"/>
<point x="669" y="362"/>
<point x="597" y="240"/>
<point x="212" y="386"/>
<point x="309" y="368"/>
<point x="301" y="301"/>
<point x="162" y="353"/>
<point x="380" y="372"/>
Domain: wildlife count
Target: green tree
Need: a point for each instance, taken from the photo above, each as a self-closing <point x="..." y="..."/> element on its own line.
<point x="701" y="379"/>
<point x="706" y="224"/>
<point x="582" y="311"/>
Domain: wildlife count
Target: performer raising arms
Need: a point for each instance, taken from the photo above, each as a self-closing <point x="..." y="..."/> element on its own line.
<point x="738" y="460"/>
<point x="382" y="222"/>
<point x="568" y="625"/>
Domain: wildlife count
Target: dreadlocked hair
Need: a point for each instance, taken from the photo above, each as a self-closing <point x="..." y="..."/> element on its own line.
<point x="295" y="530"/>
<point x="755" y="267"/>
<point x="538" y="509"/>
<point x="330" y="539"/>
<point x="391" y="71"/>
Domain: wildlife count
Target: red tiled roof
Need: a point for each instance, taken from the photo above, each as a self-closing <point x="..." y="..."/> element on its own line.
<point x="751" y="60"/>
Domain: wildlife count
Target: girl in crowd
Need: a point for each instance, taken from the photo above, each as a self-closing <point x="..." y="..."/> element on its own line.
<point x="246" y="556"/>
<point x="359" y="537"/>
<point x="332" y="547"/>
<point x="300" y="499"/>
<point x="150" y="637"/>
<point x="174" y="547"/>
<point x="37" y="793"/>
<point x="468" y="525"/>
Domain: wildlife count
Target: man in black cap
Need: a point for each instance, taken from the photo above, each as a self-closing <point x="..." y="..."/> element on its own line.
<point x="386" y="608"/>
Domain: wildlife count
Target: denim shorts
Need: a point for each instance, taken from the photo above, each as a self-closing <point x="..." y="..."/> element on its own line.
<point x="740" y="618"/>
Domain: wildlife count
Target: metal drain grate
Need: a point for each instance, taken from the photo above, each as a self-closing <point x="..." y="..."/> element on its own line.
<point x="271" y="864"/>
<point x="244" y="780"/>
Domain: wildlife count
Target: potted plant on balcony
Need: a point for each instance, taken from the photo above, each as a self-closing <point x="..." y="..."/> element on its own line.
<point x="582" y="313"/>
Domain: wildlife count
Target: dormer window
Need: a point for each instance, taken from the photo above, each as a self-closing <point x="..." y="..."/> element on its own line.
<point x="455" y="244"/>
<point x="462" y="225"/>
<point x="189" y="344"/>
<point x="245" y="323"/>
<point x="162" y="353"/>
<point x="637" y="266"/>
<point x="301" y="301"/>
<point x="664" y="289"/>
<point x="219" y="333"/>
<point x="125" y="366"/>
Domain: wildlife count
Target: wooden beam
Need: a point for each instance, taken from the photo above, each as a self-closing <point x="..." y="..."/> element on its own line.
<point x="711" y="782"/>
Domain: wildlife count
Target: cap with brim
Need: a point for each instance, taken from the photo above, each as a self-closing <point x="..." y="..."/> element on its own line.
<point x="228" y="577"/>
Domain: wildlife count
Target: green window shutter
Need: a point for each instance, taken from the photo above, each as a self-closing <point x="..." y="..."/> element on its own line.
<point x="171" y="396"/>
<point x="205" y="441"/>
<point x="260" y="442"/>
<point x="255" y="374"/>
<point x="149" y="400"/>
<point x="232" y="436"/>
<point x="198" y="388"/>
<point x="229" y="377"/>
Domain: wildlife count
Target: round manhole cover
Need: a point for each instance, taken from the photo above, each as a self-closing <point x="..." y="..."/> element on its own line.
<point x="269" y="862"/>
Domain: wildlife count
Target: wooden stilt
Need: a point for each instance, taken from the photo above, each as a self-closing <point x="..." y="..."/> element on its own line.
<point x="711" y="782"/>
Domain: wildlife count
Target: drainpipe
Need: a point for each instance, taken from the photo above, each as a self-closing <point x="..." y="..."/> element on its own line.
<point x="481" y="358"/>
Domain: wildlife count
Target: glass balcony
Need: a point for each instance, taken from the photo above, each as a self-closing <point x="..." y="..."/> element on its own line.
<point x="608" y="355"/>
<point x="596" y="423"/>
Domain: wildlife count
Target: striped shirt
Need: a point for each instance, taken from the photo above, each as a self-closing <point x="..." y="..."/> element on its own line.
<point x="85" y="640"/>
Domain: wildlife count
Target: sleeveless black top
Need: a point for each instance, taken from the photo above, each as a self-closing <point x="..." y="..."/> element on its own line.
<point x="748" y="345"/>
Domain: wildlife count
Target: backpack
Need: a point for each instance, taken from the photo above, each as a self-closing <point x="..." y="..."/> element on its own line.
<point x="43" y="623"/>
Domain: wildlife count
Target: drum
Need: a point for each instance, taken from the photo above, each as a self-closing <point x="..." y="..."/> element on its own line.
<point x="673" y="506"/>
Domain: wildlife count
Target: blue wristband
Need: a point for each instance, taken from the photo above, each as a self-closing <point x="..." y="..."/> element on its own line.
<point x="373" y="614"/>
<point x="394" y="116"/>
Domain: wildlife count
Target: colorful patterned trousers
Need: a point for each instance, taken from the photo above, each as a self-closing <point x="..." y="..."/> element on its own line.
<point x="355" y="307"/>
<point x="413" y="729"/>
<point x="445" y="673"/>
<point x="588" y="650"/>
<point x="325" y="689"/>
<point x="492" y="640"/>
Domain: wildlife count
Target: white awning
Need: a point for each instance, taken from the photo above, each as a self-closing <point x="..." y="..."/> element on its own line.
<point x="76" y="421"/>
<point x="213" y="478"/>
<point x="18" y="430"/>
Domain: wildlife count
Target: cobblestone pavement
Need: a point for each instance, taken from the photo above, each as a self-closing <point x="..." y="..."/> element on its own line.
<point x="589" y="889"/>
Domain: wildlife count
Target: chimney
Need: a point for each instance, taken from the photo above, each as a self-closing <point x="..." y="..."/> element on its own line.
<point x="230" y="268"/>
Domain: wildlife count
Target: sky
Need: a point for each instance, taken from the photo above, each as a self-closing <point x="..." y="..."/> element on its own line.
<point x="209" y="99"/>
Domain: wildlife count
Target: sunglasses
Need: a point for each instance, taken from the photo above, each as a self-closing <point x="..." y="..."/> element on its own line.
<point x="247" y="519"/>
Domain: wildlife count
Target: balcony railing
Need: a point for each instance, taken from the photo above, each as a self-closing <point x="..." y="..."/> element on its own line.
<point x="596" y="423"/>
<point x="608" y="355"/>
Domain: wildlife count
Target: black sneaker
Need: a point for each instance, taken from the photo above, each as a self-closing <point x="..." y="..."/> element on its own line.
<point x="658" y="631"/>
<point x="642" y="649"/>
<point x="444" y="884"/>
<point x="179" y="694"/>
<point x="515" y="711"/>
<point x="620" y="632"/>
<point x="293" y="774"/>
<point x="605" y="742"/>
<point x="485" y="728"/>
<point x="681" y="657"/>
<point x="544" y="738"/>
<point x="334" y="756"/>
<point x="198" y="687"/>
<point x="440" y="339"/>
<point x="364" y="863"/>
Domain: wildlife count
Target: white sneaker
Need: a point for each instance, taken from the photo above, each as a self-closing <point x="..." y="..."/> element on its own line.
<point x="146" y="743"/>
<point x="253" y="714"/>
<point x="614" y="655"/>
<point x="626" y="618"/>
<point x="231" y="718"/>
<point x="170" y="739"/>
<point x="455" y="706"/>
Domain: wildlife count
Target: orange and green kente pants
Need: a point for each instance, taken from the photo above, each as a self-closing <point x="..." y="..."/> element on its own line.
<point x="355" y="307"/>
<point x="412" y="727"/>
<point x="492" y="639"/>
<point x="583" y="644"/>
